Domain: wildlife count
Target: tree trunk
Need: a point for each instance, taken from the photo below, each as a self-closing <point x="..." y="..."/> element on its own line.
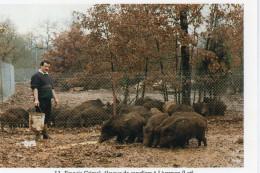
<point x="164" y="90"/>
<point x="200" y="95"/>
<point x="137" y="91"/>
<point x="194" y="96"/>
<point x="126" y="93"/>
<point x="186" y="72"/>
<point x="113" y="84"/>
<point x="179" y="97"/>
<point x="176" y="95"/>
<point x="145" y="76"/>
<point x="112" y="64"/>
<point x="176" y="70"/>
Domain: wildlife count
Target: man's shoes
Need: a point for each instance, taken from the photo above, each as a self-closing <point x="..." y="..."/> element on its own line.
<point x="46" y="136"/>
<point x="38" y="136"/>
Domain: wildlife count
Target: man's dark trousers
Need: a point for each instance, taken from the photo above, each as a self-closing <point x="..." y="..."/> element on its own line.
<point x="45" y="105"/>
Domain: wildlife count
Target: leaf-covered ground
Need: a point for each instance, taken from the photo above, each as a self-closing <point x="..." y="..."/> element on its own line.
<point x="79" y="147"/>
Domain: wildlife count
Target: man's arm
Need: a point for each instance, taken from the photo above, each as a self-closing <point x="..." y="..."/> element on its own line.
<point x="36" y="100"/>
<point x="55" y="97"/>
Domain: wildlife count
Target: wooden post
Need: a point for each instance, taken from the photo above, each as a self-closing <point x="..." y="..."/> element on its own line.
<point x="114" y="93"/>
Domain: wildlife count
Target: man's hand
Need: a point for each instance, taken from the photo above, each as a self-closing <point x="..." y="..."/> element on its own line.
<point x="55" y="97"/>
<point x="36" y="103"/>
<point x="36" y="100"/>
<point x="56" y="101"/>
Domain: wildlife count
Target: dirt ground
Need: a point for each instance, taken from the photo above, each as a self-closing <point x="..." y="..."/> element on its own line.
<point x="78" y="148"/>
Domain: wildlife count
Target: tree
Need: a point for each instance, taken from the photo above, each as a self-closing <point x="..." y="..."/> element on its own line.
<point x="186" y="71"/>
<point x="46" y="33"/>
<point x="219" y="55"/>
<point x="7" y="39"/>
<point x="68" y="54"/>
<point x="152" y="43"/>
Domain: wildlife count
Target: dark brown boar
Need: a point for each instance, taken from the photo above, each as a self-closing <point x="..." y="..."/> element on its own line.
<point x="155" y="111"/>
<point x="54" y="112"/>
<point x="154" y="104"/>
<point x="147" y="116"/>
<point x="157" y="129"/>
<point x="122" y="108"/>
<point x="69" y="117"/>
<point x="133" y="108"/>
<point x="181" y="130"/>
<point x="142" y="101"/>
<point x="148" y="130"/>
<point x="74" y="119"/>
<point x="179" y="108"/>
<point x="201" y="108"/>
<point x="189" y="114"/>
<point x="167" y="105"/>
<point x="94" y="115"/>
<point x="90" y="103"/>
<point x="125" y="127"/>
<point x="141" y="110"/>
<point x="9" y="119"/>
<point x="215" y="107"/>
<point x="21" y="114"/>
<point x="171" y="119"/>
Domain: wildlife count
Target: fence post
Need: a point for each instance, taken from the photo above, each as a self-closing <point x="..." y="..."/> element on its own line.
<point x="114" y="93"/>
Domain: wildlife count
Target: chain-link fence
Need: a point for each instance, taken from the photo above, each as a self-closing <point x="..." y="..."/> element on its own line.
<point x="7" y="85"/>
<point x="164" y="88"/>
<point x="24" y="74"/>
<point x="88" y="100"/>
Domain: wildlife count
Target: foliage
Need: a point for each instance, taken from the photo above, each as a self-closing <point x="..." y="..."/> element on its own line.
<point x="7" y="39"/>
<point x="19" y="50"/>
<point x="147" y="39"/>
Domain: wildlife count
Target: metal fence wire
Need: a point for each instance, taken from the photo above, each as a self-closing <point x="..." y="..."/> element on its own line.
<point x="7" y="84"/>
<point x="210" y="95"/>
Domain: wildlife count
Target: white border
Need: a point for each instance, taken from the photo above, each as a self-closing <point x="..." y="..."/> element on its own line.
<point x="250" y="87"/>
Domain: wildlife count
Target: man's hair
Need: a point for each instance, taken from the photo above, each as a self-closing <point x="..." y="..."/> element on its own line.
<point x="45" y="61"/>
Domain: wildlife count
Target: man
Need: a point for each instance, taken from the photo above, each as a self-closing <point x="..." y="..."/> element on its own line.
<point x="43" y="92"/>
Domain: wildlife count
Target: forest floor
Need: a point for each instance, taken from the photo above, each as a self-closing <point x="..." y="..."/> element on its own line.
<point x="78" y="148"/>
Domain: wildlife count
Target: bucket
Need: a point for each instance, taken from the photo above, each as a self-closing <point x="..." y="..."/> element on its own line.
<point x="36" y="121"/>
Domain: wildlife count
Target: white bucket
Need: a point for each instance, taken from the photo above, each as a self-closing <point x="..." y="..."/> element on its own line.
<point x="36" y="121"/>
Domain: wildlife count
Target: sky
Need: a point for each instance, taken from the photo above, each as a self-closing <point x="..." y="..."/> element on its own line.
<point x="28" y="14"/>
<point x="27" y="17"/>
